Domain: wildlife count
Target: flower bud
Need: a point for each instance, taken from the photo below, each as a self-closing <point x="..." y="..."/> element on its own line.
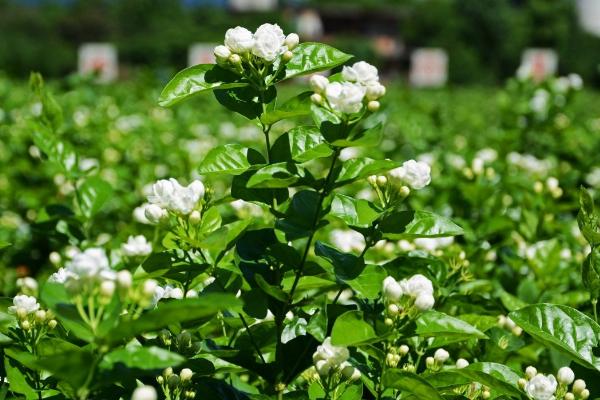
<point x="517" y="331"/>
<point x="292" y="40"/>
<point x="388" y="322"/>
<point x="160" y="380"/>
<point x="222" y="52"/>
<point x="390" y="360"/>
<point x="149" y="288"/>
<point x="355" y="375"/>
<point x="191" y="294"/>
<point x="381" y="180"/>
<point x="538" y="187"/>
<point x="372" y="179"/>
<point x="54" y="258"/>
<point x="21" y="313"/>
<point x="441" y="355"/>
<point x="375" y="91"/>
<point x="373" y="105"/>
<point x="584" y="394"/>
<point x="189" y="394"/>
<point x="429" y="362"/>
<point x="235" y="59"/>
<point x="404" y="191"/>
<point x="424" y="302"/>
<point x="485" y="394"/>
<point x="176" y="293"/>
<point x="347" y="370"/>
<point x="287" y="56"/>
<point x="155" y="214"/>
<point x="167" y="372"/>
<point x="462" y="363"/>
<point x="195" y="217"/>
<point x="522" y="382"/>
<point x="316" y="98"/>
<point x="40" y="316"/>
<point x="393" y="309"/>
<point x="173" y="381"/>
<point x="578" y="386"/>
<point x="569" y="396"/>
<point x="565" y="376"/>
<point x="52" y="324"/>
<point x="124" y="279"/>
<point x="107" y="289"/>
<point x="318" y="83"/>
<point x="25" y="325"/>
<point x="144" y="393"/>
<point x="186" y="374"/>
<point x="530" y="372"/>
<point x="403" y="350"/>
<point x="322" y="367"/>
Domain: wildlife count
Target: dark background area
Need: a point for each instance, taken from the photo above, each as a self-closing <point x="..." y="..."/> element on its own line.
<point x="484" y="38"/>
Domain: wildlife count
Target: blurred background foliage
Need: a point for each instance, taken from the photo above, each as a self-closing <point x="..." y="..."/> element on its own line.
<point x="484" y="38"/>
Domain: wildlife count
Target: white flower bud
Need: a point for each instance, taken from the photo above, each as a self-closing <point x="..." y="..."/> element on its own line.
<point x="381" y="180"/>
<point x="107" y="289"/>
<point x="578" y="386"/>
<point x="584" y="394"/>
<point x="441" y="355"/>
<point x="176" y="293"/>
<point x="40" y="315"/>
<point x="25" y="325"/>
<point x="392" y="289"/>
<point x="191" y="294"/>
<point x="375" y="91"/>
<point x="316" y="98"/>
<point x="186" y="374"/>
<point x="462" y="363"/>
<point x="195" y="217"/>
<point x="222" y="52"/>
<point x="287" y="56"/>
<point x="388" y="322"/>
<point x="485" y="394"/>
<point x="522" y="382"/>
<point x="429" y="362"/>
<point x="569" y="396"/>
<point x="292" y="40"/>
<point x="318" y="83"/>
<point x="403" y="350"/>
<point x="530" y="372"/>
<point x="393" y="309"/>
<point x="155" y="214"/>
<point x="235" y="59"/>
<point x="54" y="258"/>
<point x="144" y="393"/>
<point x="149" y="288"/>
<point x="404" y="191"/>
<point x="373" y="105"/>
<point x="124" y="279"/>
<point x="52" y="324"/>
<point x="323" y="367"/>
<point x="565" y="376"/>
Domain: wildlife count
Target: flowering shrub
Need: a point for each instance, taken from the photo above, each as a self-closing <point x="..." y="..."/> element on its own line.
<point x="299" y="268"/>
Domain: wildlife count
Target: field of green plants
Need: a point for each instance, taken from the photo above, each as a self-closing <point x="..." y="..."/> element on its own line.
<point x="243" y="232"/>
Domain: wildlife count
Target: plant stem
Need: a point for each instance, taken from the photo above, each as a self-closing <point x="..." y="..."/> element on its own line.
<point x="252" y="339"/>
<point x="594" y="305"/>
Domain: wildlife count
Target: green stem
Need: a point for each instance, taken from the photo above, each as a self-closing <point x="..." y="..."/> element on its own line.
<point x="252" y="340"/>
<point x="594" y="305"/>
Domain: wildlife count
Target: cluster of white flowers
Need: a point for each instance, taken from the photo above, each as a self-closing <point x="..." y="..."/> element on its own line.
<point x="28" y="285"/>
<point x="552" y="185"/>
<point x="416" y="291"/>
<point x="360" y="82"/>
<point x="136" y="246"/>
<point x="267" y="43"/>
<point x="89" y="265"/>
<point x="30" y="315"/>
<point x="347" y="240"/>
<point x="330" y="359"/>
<point x="546" y="387"/>
<point x="529" y="163"/>
<point x="416" y="174"/>
<point x="436" y="362"/>
<point x="169" y="195"/>
<point x="394" y="355"/>
<point x="179" y="384"/>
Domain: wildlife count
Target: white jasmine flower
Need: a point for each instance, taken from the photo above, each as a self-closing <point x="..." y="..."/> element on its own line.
<point x="139" y="214"/>
<point x="541" y="387"/>
<point x="319" y="83"/>
<point x="23" y="302"/>
<point x="239" y="39"/>
<point x="345" y="97"/>
<point x="173" y="293"/>
<point x="268" y="42"/>
<point x="328" y="357"/>
<point x="136" y="246"/>
<point x="424" y="302"/>
<point x="61" y="276"/>
<point x="144" y="393"/>
<point x="415" y="174"/>
<point x="170" y="195"/>
<point x="89" y="263"/>
<point x="361" y="72"/>
<point x="417" y="285"/>
<point x="28" y="285"/>
<point x="155" y="214"/>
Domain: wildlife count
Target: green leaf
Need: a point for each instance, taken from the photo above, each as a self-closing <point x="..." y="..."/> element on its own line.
<point x="354" y="212"/>
<point x="222" y="239"/>
<point x="434" y="324"/>
<point x="417" y="224"/>
<point x="360" y="168"/>
<point x="93" y="194"/>
<point x="350" y="329"/>
<point x="561" y="328"/>
<point x="174" y="312"/>
<point x="294" y="107"/>
<point x="317" y="326"/>
<point x="142" y="357"/>
<point x="346" y="266"/>
<point x="496" y="376"/>
<point x="246" y="101"/>
<point x="301" y="144"/>
<point x="311" y="57"/>
<point x="367" y="137"/>
<point x="4" y="244"/>
<point x="300" y="215"/>
<point x="410" y="382"/>
<point x="72" y="366"/>
<point x="194" y="80"/>
<point x="229" y="159"/>
<point x="275" y="176"/>
<point x="368" y="283"/>
<point x="211" y="220"/>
